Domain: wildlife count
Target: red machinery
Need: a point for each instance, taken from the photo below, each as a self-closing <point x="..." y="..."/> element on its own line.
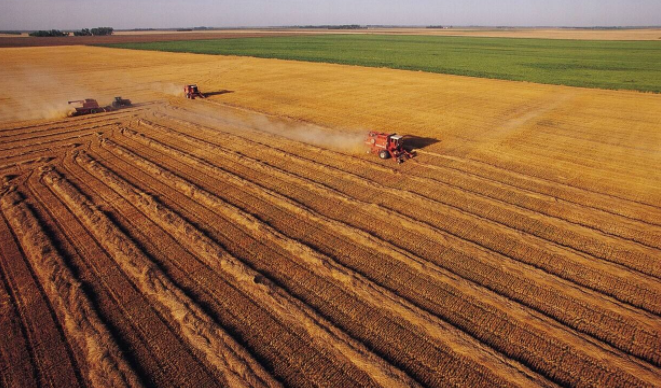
<point x="90" y="105"/>
<point x="192" y="91"/>
<point x="387" y="146"/>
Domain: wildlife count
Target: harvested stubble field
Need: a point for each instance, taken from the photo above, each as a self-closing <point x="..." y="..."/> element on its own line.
<point x="246" y="239"/>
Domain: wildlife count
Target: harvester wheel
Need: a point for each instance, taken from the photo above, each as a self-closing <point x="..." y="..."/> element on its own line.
<point x="384" y="154"/>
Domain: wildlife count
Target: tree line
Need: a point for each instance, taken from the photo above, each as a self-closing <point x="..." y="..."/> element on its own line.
<point x="98" y="31"/>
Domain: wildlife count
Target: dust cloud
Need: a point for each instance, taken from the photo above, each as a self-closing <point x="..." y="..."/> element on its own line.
<point x="348" y="141"/>
<point x="168" y="88"/>
<point x="330" y="138"/>
<point x="37" y="93"/>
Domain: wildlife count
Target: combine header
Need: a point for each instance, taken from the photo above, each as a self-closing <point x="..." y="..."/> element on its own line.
<point x="387" y="146"/>
<point x="90" y="106"/>
<point x="191" y="91"/>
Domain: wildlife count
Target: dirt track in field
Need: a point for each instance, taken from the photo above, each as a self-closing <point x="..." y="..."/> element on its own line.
<point x="246" y="239"/>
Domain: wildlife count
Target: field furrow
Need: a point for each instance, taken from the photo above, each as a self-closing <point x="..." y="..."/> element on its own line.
<point x="233" y="362"/>
<point x="461" y="257"/>
<point x="295" y="315"/>
<point x="261" y="330"/>
<point x="424" y="220"/>
<point x="17" y="367"/>
<point x="460" y="312"/>
<point x="50" y="354"/>
<point x="524" y="179"/>
<point x="49" y="133"/>
<point x="588" y="184"/>
<point x="598" y="221"/>
<point x="103" y="361"/>
<point x="634" y="256"/>
<point x="519" y="197"/>
<point x="310" y="259"/>
<point x="164" y="358"/>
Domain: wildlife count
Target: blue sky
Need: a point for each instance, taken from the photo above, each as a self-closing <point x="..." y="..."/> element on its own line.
<point x="72" y="14"/>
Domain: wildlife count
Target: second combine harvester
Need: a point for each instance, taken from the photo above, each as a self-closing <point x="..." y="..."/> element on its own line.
<point x="387" y="146"/>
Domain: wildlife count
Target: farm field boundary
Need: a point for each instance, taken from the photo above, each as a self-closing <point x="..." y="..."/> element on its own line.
<point x="595" y="64"/>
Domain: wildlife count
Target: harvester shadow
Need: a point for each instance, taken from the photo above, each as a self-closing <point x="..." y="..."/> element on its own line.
<point x="218" y="93"/>
<point x="418" y="143"/>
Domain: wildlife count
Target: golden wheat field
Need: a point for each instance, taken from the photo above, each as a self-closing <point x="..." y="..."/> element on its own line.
<point x="248" y="240"/>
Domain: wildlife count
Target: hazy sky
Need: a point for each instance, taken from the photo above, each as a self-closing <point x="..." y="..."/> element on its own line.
<point x="72" y="14"/>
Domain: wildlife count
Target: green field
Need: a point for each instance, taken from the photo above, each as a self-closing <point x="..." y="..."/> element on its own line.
<point x="633" y="65"/>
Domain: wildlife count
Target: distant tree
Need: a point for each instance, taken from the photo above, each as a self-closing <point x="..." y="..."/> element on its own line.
<point x="83" y="32"/>
<point x="51" y="33"/>
<point x="102" y="31"/>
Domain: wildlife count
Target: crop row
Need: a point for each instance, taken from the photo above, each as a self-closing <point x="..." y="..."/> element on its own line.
<point x="608" y="223"/>
<point x="459" y="307"/>
<point x="150" y="336"/>
<point x="365" y="295"/>
<point x="585" y="240"/>
<point x="595" y="172"/>
<point x="16" y="340"/>
<point x="553" y="193"/>
<point x="531" y="180"/>
<point x="87" y="120"/>
<point x="52" y="132"/>
<point x="470" y="265"/>
<point x="367" y="213"/>
<point x="253" y="324"/>
<point x="295" y="315"/>
<point x="234" y="363"/>
<point x="457" y="223"/>
<point x="558" y="233"/>
<point x="102" y="358"/>
<point x="610" y="196"/>
<point x="595" y="220"/>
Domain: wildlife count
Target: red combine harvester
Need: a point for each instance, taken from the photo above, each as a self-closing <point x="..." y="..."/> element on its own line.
<point x="387" y="146"/>
<point x="90" y="106"/>
<point x="192" y="91"/>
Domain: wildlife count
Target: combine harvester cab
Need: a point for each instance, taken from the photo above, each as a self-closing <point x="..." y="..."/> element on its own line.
<point x="191" y="91"/>
<point x="387" y="146"/>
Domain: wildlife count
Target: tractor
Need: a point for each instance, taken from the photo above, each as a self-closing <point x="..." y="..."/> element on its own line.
<point x="191" y="91"/>
<point x="387" y="146"/>
<point x="119" y="103"/>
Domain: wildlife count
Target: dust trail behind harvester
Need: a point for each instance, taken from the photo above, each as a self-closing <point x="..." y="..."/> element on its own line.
<point x="35" y="92"/>
<point x="330" y="138"/>
<point x="348" y="141"/>
<point x="169" y="88"/>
